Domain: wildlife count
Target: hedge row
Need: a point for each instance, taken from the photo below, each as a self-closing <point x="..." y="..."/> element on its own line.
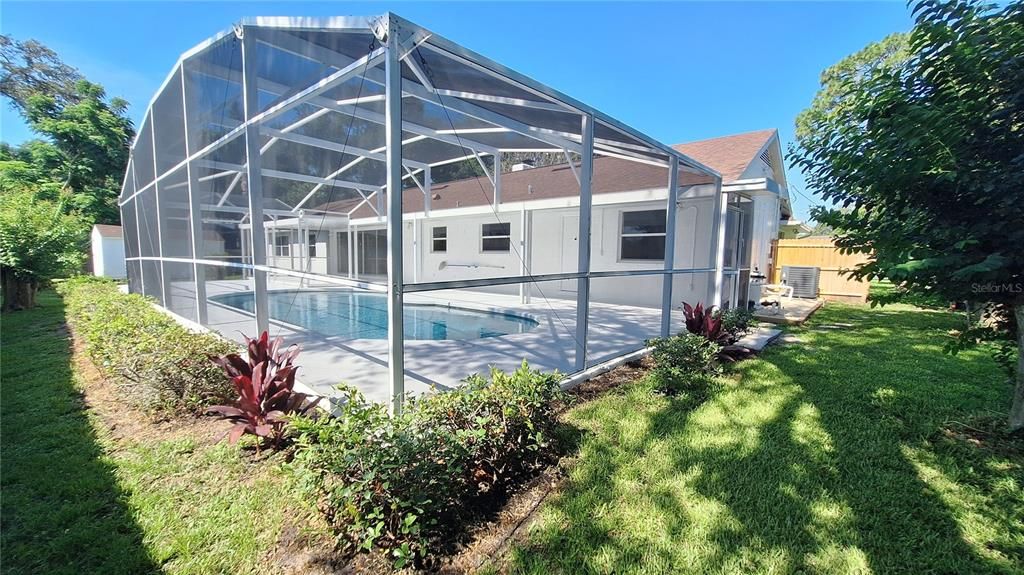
<point x="405" y="483"/>
<point x="160" y="366"/>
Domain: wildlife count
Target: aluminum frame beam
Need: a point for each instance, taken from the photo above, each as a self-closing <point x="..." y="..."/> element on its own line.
<point x="393" y="142"/>
<point x="720" y="208"/>
<point x="254" y="181"/>
<point x="583" y="243"/>
<point x="671" y="210"/>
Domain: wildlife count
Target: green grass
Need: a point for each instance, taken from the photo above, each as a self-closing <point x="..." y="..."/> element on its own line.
<point x="75" y="500"/>
<point x="821" y="457"/>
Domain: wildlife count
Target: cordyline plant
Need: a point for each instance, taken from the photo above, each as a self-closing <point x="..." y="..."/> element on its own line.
<point x="265" y="383"/>
<point x="704" y="321"/>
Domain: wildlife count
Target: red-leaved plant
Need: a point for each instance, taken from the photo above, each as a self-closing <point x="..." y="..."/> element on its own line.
<point x="704" y="322"/>
<point x="265" y="384"/>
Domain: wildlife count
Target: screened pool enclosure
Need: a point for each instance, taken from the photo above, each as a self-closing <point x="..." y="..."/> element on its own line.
<point x="365" y="188"/>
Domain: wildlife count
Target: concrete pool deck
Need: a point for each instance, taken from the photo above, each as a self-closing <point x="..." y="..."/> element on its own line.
<point x="326" y="361"/>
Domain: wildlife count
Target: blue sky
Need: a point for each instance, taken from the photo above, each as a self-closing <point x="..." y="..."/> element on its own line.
<point x="678" y="71"/>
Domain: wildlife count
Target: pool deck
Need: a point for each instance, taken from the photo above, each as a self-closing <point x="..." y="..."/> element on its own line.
<point x="326" y="361"/>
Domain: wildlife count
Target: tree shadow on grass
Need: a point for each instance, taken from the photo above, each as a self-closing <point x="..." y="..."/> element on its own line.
<point x="800" y="465"/>
<point x="62" y="509"/>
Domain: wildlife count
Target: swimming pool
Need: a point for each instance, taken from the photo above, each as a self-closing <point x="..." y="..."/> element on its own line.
<point x="360" y="315"/>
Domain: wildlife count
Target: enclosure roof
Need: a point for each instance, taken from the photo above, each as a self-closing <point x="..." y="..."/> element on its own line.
<point x="730" y="155"/>
<point x="319" y="104"/>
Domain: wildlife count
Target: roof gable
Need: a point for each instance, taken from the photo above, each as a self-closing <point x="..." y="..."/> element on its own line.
<point x="730" y="155"/>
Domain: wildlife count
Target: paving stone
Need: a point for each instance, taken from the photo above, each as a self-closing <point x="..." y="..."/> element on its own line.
<point x="756" y="340"/>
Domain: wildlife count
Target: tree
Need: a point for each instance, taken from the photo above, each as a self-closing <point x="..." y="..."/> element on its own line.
<point x="39" y="241"/>
<point x="28" y="68"/>
<point x="821" y="229"/>
<point x="922" y="156"/>
<point x="92" y="136"/>
<point x="86" y="135"/>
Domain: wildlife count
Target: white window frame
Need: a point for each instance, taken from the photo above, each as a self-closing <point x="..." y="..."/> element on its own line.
<point x="434" y="239"/>
<point x="287" y="245"/>
<point x="311" y="247"/>
<point x="622" y="234"/>
<point x="507" y="236"/>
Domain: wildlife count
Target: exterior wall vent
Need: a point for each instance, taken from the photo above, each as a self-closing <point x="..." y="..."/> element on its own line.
<point x="803" y="280"/>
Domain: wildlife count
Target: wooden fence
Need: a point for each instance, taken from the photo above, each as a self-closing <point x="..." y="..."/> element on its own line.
<point x="820" y="252"/>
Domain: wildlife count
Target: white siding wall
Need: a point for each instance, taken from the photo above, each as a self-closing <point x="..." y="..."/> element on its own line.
<point x="692" y="249"/>
<point x="107" y="256"/>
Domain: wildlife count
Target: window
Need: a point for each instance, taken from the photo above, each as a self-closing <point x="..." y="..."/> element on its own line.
<point x="732" y="238"/>
<point x="312" y="245"/>
<point x="496" y="237"/>
<point x="439" y="239"/>
<point x="373" y="253"/>
<point x="643" y="235"/>
<point x="282" y="245"/>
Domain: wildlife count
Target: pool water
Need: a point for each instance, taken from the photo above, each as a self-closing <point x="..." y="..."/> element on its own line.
<point x="360" y="315"/>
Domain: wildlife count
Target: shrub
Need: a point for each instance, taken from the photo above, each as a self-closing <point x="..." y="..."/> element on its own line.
<point x="704" y="321"/>
<point x="684" y="362"/>
<point x="265" y="384"/>
<point x="736" y="321"/>
<point x="39" y="241"/>
<point x="402" y="483"/>
<point x="159" y="365"/>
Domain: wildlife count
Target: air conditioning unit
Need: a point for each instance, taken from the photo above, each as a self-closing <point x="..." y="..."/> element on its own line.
<point x="803" y="280"/>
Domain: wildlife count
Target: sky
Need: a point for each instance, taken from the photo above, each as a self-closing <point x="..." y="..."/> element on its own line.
<point x="678" y="71"/>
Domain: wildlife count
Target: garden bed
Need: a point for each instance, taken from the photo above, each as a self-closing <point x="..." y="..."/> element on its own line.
<point x="93" y="484"/>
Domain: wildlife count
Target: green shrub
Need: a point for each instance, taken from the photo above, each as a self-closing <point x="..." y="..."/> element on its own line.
<point x="736" y="321"/>
<point x="684" y="362"/>
<point x="403" y="483"/>
<point x="159" y="365"/>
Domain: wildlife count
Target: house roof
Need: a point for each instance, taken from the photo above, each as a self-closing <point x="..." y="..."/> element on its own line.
<point x="729" y="155"/>
<point x="108" y="231"/>
<point x="558" y="181"/>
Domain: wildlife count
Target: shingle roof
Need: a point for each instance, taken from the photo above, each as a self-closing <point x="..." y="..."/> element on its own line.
<point x="108" y="231"/>
<point x="610" y="175"/>
<point x="729" y="155"/>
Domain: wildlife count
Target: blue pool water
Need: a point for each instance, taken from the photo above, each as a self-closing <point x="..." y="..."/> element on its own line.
<point x="360" y="315"/>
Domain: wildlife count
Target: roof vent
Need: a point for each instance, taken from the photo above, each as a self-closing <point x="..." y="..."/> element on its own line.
<point x="766" y="157"/>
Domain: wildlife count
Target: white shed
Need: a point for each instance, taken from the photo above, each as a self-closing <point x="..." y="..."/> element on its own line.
<point x="108" y="251"/>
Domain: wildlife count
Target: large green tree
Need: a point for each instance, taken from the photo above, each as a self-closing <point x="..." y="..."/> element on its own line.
<point x="918" y="144"/>
<point x="85" y="135"/>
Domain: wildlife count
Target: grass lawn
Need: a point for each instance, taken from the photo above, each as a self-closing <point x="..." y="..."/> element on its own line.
<point x="92" y="488"/>
<point x="852" y="452"/>
<point x="863" y="449"/>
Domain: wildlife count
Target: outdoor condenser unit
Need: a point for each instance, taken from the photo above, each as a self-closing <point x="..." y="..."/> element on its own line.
<point x="803" y="280"/>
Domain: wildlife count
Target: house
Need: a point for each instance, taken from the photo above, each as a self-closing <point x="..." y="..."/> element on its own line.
<point x="108" y="251"/>
<point x="792" y="229"/>
<point x="463" y="234"/>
